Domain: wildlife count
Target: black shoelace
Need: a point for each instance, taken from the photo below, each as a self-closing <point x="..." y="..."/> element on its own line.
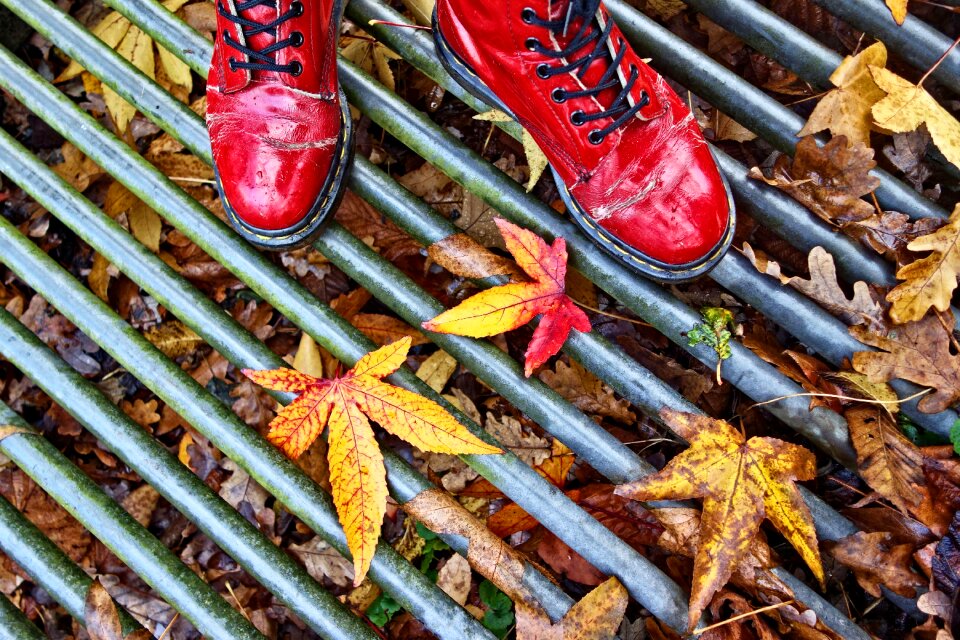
<point x="264" y="59"/>
<point x="585" y="10"/>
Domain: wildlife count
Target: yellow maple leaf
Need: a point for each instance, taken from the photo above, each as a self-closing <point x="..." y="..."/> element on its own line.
<point x="741" y="482"/>
<point x="930" y="281"/>
<point x="347" y="404"/>
<point x="907" y="106"/>
<point x="845" y="111"/>
<point x="536" y="160"/>
<point x="898" y="8"/>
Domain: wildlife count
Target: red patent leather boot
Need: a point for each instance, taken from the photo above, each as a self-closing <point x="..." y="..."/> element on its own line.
<point x="627" y="155"/>
<point x="279" y="124"/>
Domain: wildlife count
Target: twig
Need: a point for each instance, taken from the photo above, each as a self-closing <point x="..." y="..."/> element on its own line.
<point x="949" y="330"/>
<point x="176" y="615"/>
<point x="938" y="62"/>
<point x="749" y="614"/>
<point x="196" y="180"/>
<point x="611" y="315"/>
<point x="839" y="397"/>
<point x="243" y="610"/>
<point x="400" y="25"/>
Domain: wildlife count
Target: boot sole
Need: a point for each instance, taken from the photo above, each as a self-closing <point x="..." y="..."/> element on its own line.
<point x="307" y="230"/>
<point x="641" y="263"/>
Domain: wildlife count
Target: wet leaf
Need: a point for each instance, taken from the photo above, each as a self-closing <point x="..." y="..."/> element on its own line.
<point x="587" y="392"/>
<point x="463" y="256"/>
<point x="917" y="351"/>
<point x="846" y="110"/>
<point x="898" y="8"/>
<point x="829" y="181"/>
<point x="930" y="281"/>
<point x="823" y="288"/>
<point x="323" y="561"/>
<point x="513" y="305"/>
<point x="597" y="616"/>
<point x="437" y="369"/>
<point x="741" y="483"/>
<point x="536" y="160"/>
<point x="907" y="106"/>
<point x="173" y="338"/>
<point x="137" y="47"/>
<point x="887" y="461"/>
<point x="344" y="404"/>
<point x="371" y="56"/>
<point x="714" y="331"/>
<point x="101" y="617"/>
<point x="876" y="561"/>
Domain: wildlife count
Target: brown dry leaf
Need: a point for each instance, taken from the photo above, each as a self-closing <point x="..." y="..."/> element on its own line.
<point x="145" y="225"/>
<point x="454" y="578"/>
<point x="384" y="330"/>
<point x="845" y="111"/>
<point x="886" y="459"/>
<point x="930" y="281"/>
<point x="829" y="181"/>
<point x="323" y="561"/>
<point x="596" y="617"/>
<point x="509" y="431"/>
<point x="890" y="233"/>
<point x="907" y="106"/>
<point x="101" y="271"/>
<point x="102" y="618"/>
<point x="587" y="392"/>
<point x="143" y="413"/>
<point x="823" y="288"/>
<point x="917" y="351"/>
<point x="173" y="338"/>
<point x="368" y="224"/>
<point x="741" y="482"/>
<point x="463" y="256"/>
<point x="876" y="561"/>
<point x="437" y="369"/>
<point x="723" y="126"/>
<point x="141" y="503"/>
<point x="76" y="168"/>
<point x="371" y="56"/>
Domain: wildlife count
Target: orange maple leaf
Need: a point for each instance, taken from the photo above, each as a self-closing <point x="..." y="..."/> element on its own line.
<point x="513" y="305"/>
<point x="357" y="474"/>
<point x="741" y="482"/>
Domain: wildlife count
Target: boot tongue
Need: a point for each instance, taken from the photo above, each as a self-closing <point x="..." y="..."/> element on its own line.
<point x="559" y="10"/>
<point x="262" y="14"/>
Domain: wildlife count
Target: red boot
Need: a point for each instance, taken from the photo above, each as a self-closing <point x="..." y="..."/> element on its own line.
<point x="627" y="155"/>
<point x="279" y="124"/>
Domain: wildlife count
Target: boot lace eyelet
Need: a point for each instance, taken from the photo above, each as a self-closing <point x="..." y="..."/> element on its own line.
<point x="559" y="95"/>
<point x="595" y="136"/>
<point x="527" y="15"/>
<point x="231" y="63"/>
<point x="532" y="44"/>
<point x="543" y="71"/>
<point x="296" y="68"/>
<point x="297" y="7"/>
<point x="296" y="39"/>
<point x="578" y="118"/>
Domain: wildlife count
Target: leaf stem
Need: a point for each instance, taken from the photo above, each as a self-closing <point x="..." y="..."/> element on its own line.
<point x="839" y="397"/>
<point x="748" y="614"/>
<point x="939" y="61"/>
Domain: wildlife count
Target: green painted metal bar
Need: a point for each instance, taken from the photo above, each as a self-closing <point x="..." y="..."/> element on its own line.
<point x="263" y="560"/>
<point x="915" y="41"/>
<point x="135" y="546"/>
<point x="205" y="317"/>
<point x="43" y="561"/>
<point x="591" y="539"/>
<point x="14" y="624"/>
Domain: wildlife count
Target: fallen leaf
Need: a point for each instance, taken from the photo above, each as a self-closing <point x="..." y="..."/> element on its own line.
<point x="102" y="618"/>
<point x="511" y="433"/>
<point x="422" y="10"/>
<point x="946" y="561"/>
<point x="386" y="329"/>
<point x="437" y="369"/>
<point x="597" y="616"/>
<point x="454" y="578"/>
<point x="887" y="461"/>
<point x="110" y="30"/>
<point x="371" y="56"/>
<point x="145" y="225"/>
<point x="173" y="338"/>
<point x="463" y="256"/>
<point x="898" y="8"/>
<point x="930" y="281"/>
<point x="829" y="181"/>
<point x="823" y="288"/>
<point x="513" y="305"/>
<point x="141" y="503"/>
<point x="357" y="474"/>
<point x="136" y="47"/>
<point x="722" y="126"/>
<point x="365" y="222"/>
<point x="323" y="561"/>
<point x="587" y="392"/>
<point x="861" y="386"/>
<point x="876" y="561"/>
<point x="741" y="483"/>
<point x="846" y="110"/>
<point x="917" y="351"/>
<point x="907" y="106"/>
<point x="536" y="160"/>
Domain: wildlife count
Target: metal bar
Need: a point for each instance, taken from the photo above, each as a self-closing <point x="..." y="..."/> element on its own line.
<point x="263" y="560"/>
<point x="14" y="624"/>
<point x="107" y="520"/>
<point x="591" y="539"/>
<point x="44" y="562"/>
<point x="915" y="41"/>
<point x="205" y="317"/>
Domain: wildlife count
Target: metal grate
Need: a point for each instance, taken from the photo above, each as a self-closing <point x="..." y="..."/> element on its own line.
<point x="146" y="556"/>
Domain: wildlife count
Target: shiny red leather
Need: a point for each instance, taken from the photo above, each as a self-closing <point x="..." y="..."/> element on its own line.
<point x="274" y="135"/>
<point x="652" y="183"/>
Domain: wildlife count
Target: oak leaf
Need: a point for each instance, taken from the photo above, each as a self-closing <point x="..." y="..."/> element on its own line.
<point x="930" y="281"/>
<point x="741" y="482"/>
<point x="917" y="351"/>
<point x="845" y="111"/>
<point x="513" y="305"/>
<point x="876" y="561"/>
<point x="829" y="181"/>
<point x="346" y="404"/>
<point x="907" y="106"/>
<point x="887" y="461"/>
